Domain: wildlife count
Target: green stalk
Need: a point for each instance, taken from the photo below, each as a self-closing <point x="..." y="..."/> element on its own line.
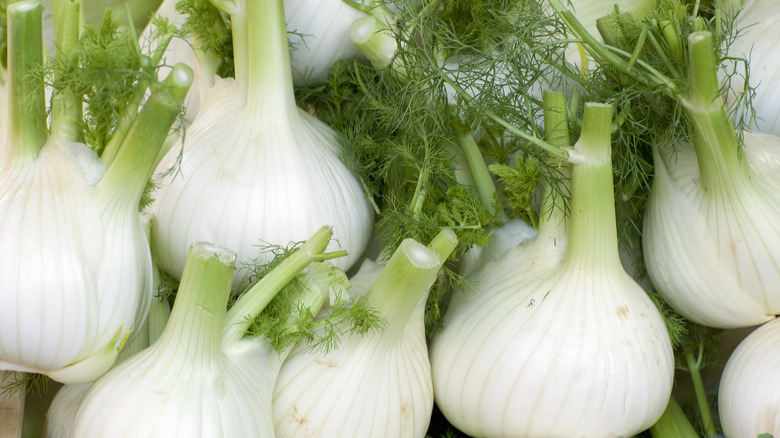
<point x="607" y="55"/>
<point x="268" y="73"/>
<point x="407" y="279"/>
<point x="592" y="242"/>
<point x="126" y="176"/>
<point x="701" y="394"/>
<point x="196" y="322"/>
<point x="552" y="214"/>
<point x="256" y="298"/>
<point x="66" y="106"/>
<point x="479" y="172"/>
<point x="713" y="134"/>
<point x="27" y="131"/>
<point x="673" y="423"/>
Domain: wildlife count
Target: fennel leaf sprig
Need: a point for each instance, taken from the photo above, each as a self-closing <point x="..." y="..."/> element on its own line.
<point x="420" y="133"/>
<point x="109" y="72"/>
<point x="292" y="314"/>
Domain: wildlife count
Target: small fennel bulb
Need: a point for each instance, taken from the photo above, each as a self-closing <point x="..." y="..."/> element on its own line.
<point x="254" y="167"/>
<point x="379" y="383"/>
<point x="557" y="340"/>
<point x="76" y="264"/>
<point x="203" y="377"/>
<point x="711" y="239"/>
<point x="748" y="401"/>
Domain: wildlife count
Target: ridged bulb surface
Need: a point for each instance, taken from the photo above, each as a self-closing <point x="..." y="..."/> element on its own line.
<point x="715" y="255"/>
<point x="748" y="400"/>
<point x="541" y="349"/>
<point x="371" y="385"/>
<point x="75" y="264"/>
<point x="153" y="395"/>
<point x="62" y="410"/>
<point x="243" y="184"/>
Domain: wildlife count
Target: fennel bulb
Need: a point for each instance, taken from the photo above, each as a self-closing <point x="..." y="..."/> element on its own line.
<point x="748" y="401"/>
<point x="557" y="340"/>
<point x="377" y="384"/>
<point x="76" y="265"/>
<point x="711" y="237"/>
<point x="254" y="167"/>
<point x="319" y="35"/>
<point x="202" y="377"/>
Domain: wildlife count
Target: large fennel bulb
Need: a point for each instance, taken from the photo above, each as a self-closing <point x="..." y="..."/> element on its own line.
<point x="711" y="238"/>
<point x="556" y="339"/>
<point x="256" y="169"/>
<point x="319" y="35"/>
<point x="377" y="384"/>
<point x="748" y="401"/>
<point x="76" y="265"/>
<point x="202" y="377"/>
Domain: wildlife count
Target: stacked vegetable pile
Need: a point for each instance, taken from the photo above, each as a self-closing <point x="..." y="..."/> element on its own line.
<point x="400" y="218"/>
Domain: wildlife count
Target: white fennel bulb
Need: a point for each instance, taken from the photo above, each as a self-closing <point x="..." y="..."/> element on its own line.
<point x="319" y="35"/>
<point x="379" y="383"/>
<point x="711" y="239"/>
<point x="202" y="377"/>
<point x="748" y="401"/>
<point x="255" y="168"/>
<point x="63" y="407"/>
<point x="555" y="339"/>
<point x="75" y="261"/>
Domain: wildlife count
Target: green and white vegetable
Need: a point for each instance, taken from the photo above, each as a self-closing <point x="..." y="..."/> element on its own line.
<point x="557" y="339"/>
<point x="721" y="200"/>
<point x="202" y="377"/>
<point x="75" y="260"/>
<point x="255" y="168"/>
<point x="747" y="401"/>
<point x="710" y="240"/>
<point x="378" y="384"/>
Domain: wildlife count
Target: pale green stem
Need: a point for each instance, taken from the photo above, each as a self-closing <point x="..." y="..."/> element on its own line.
<point x="407" y="279"/>
<point x="701" y="394"/>
<point x="66" y="105"/>
<point x="262" y="54"/>
<point x="194" y="328"/>
<point x="593" y="242"/>
<point x="673" y="423"/>
<point x="27" y="131"/>
<point x="130" y="111"/>
<point x="479" y="172"/>
<point x="552" y="214"/>
<point x="607" y="55"/>
<point x="126" y="177"/>
<point x="713" y="134"/>
<point x="256" y="298"/>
